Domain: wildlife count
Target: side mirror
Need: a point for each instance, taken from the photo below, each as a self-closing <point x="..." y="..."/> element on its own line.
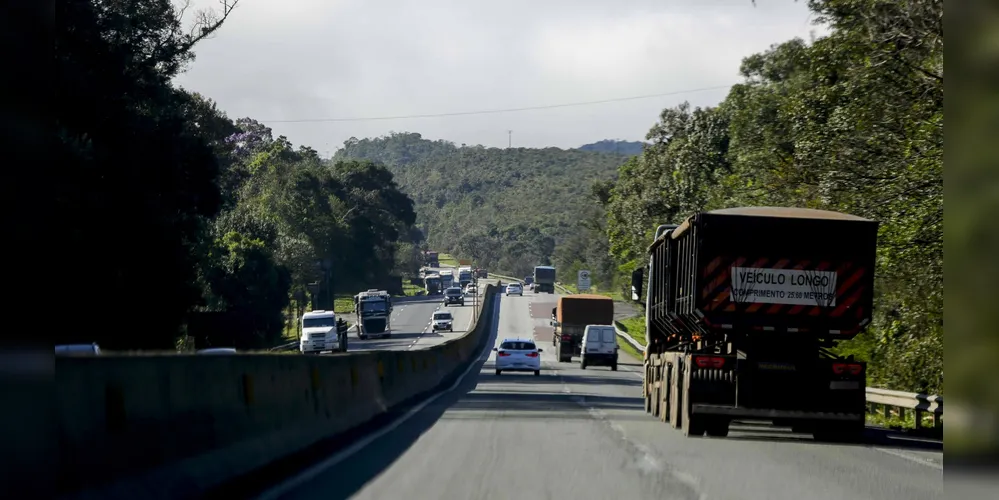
<point x="496" y="349"/>
<point x="541" y="350"/>
<point x="636" y="284"/>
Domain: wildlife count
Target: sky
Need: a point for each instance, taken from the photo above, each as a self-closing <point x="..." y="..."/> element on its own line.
<point x="293" y="63"/>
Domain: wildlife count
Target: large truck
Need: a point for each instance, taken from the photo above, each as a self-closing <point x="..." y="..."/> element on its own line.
<point x="373" y="309"/>
<point x="432" y="283"/>
<point x="447" y="279"/>
<point x="544" y="279"/>
<point x="431" y="258"/>
<point x="571" y="315"/>
<point x="465" y="276"/>
<point x="743" y="306"/>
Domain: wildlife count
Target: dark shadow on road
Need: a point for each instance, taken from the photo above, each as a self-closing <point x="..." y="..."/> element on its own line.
<point x="873" y="436"/>
<point x="595" y="379"/>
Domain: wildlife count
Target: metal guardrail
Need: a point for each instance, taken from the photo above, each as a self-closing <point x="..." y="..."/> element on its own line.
<point x="886" y="399"/>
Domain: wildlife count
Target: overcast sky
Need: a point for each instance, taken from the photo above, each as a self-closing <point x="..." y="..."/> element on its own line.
<point x="286" y="60"/>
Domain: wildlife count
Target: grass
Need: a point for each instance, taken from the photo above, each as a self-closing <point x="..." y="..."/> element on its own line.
<point x="635" y="326"/>
<point x="594" y="290"/>
<point x="409" y="289"/>
<point x="626" y="347"/>
<point x="447" y="259"/>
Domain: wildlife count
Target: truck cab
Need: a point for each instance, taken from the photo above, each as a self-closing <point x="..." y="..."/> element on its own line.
<point x="320" y="333"/>
<point x="373" y="309"/>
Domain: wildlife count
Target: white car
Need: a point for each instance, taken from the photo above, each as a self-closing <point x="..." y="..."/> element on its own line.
<point x="518" y="355"/>
<point x="514" y="289"/>
<point x="443" y="320"/>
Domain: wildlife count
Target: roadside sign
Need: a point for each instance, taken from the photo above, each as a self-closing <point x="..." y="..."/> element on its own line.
<point x="583" y="281"/>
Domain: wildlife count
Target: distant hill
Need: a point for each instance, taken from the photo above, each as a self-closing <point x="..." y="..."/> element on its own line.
<point x="506" y="207"/>
<point x="627" y="148"/>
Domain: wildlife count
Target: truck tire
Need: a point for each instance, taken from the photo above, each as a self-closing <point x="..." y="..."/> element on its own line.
<point x="582" y="364"/>
<point x="693" y="426"/>
<point x="537" y="373"/>
<point x="836" y="432"/>
<point x="498" y="372"/>
<point x="614" y="367"/>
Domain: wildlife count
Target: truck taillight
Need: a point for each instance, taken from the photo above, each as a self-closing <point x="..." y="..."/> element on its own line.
<point x="709" y="361"/>
<point x="567" y="337"/>
<point x="844" y="368"/>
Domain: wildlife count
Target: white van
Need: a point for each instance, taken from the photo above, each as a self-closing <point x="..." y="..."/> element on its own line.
<point x="599" y="347"/>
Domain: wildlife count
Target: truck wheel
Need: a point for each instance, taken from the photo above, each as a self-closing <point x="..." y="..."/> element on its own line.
<point x="835" y="432"/>
<point x="537" y="373"/>
<point x="693" y="426"/>
<point x="614" y="367"/>
<point x="582" y="364"/>
<point x="717" y="427"/>
<point x="498" y="372"/>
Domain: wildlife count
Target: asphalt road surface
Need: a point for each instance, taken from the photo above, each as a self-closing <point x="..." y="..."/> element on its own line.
<point x="411" y="325"/>
<point x="584" y="434"/>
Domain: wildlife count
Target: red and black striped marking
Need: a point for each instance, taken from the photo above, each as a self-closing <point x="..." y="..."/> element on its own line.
<point x="717" y="281"/>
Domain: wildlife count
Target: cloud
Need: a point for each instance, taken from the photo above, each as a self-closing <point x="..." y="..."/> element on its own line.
<point x="306" y="59"/>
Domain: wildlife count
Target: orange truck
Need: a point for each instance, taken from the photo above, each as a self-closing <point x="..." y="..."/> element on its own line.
<point x="571" y="315"/>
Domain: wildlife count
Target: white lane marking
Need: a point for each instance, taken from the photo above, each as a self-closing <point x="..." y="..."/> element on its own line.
<point x="310" y="473"/>
<point x="911" y="458"/>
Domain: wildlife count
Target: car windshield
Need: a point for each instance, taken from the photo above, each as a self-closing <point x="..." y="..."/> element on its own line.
<point x="318" y="322"/>
<point x="453" y="291"/>
<point x="517" y="346"/>
<point x="442" y="316"/>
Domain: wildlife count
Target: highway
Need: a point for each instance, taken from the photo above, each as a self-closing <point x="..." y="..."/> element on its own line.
<point x="584" y="434"/>
<point x="411" y="324"/>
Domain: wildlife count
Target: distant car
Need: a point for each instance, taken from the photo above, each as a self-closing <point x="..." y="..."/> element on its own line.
<point x="518" y="355"/>
<point x="471" y="290"/>
<point x="528" y="280"/>
<point x="443" y="320"/>
<point x="453" y="295"/>
<point x="218" y="350"/>
<point x="78" y="350"/>
<point x="514" y="289"/>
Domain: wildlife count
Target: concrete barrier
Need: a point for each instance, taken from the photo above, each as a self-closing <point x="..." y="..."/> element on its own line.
<point x="174" y="426"/>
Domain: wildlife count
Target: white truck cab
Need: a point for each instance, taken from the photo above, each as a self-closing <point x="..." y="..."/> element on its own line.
<point x="599" y="347"/>
<point x="319" y="332"/>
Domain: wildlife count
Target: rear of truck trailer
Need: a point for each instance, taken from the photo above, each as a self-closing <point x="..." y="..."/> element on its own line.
<point x="742" y="308"/>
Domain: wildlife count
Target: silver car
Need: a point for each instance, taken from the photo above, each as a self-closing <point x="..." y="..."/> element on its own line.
<point x="514" y="289"/>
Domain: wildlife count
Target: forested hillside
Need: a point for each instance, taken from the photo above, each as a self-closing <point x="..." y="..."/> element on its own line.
<point x="853" y="123"/>
<point x="175" y="215"/>
<point x="506" y="208"/>
<point x="626" y="148"/>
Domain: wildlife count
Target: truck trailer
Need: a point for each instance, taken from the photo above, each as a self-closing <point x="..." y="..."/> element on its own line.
<point x="571" y="315"/>
<point x="544" y="279"/>
<point x="742" y="308"/>
<point x="432" y="259"/>
<point x="374" y="314"/>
